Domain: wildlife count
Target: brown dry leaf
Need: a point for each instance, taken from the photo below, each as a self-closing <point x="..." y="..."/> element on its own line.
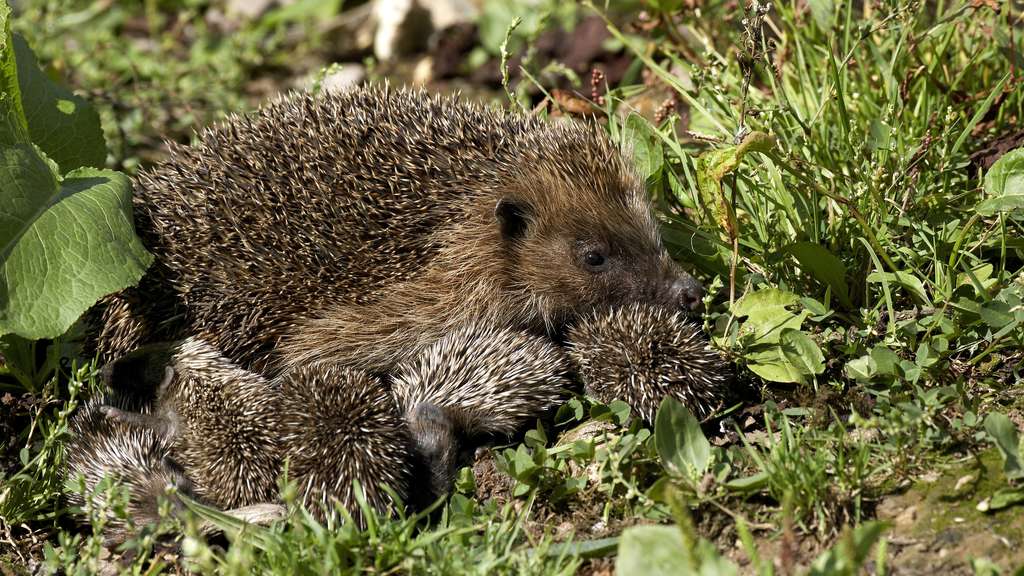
<point x="571" y="104"/>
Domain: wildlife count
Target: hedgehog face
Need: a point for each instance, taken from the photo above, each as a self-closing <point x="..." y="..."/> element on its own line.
<point x="602" y="251"/>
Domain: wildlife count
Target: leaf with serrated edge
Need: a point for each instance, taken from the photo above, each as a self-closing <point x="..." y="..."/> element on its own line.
<point x="81" y="247"/>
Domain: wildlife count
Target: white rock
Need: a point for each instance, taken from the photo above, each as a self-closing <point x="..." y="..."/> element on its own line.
<point x="444" y="13"/>
<point x="404" y="26"/>
<point x="346" y="77"/>
<point x="248" y="9"/>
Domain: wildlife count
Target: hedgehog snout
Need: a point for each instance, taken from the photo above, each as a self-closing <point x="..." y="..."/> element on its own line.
<point x="686" y="292"/>
<point x="678" y="290"/>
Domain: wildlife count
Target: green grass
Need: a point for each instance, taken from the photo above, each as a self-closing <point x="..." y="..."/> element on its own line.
<point x="877" y="313"/>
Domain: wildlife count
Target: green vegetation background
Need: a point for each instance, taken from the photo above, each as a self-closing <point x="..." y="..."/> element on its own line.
<point x="843" y="177"/>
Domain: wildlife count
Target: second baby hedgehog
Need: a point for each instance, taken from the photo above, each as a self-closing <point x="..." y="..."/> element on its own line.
<point x="642" y="354"/>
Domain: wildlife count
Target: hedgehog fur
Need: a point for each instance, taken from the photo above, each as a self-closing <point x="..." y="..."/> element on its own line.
<point x="495" y="379"/>
<point x="641" y="354"/>
<point x="227" y="423"/>
<point x="361" y="227"/>
<point x="479" y="380"/>
<point x="340" y="425"/>
<point x="138" y="457"/>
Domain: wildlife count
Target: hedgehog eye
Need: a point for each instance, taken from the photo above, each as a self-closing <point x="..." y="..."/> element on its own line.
<point x="595" y="260"/>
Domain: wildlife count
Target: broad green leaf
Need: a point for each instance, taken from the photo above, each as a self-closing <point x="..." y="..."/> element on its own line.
<point x="886" y="361"/>
<point x="775" y="366"/>
<point x="794" y="359"/>
<point x="824" y="266"/>
<point x="647" y="148"/>
<point x="862" y="368"/>
<point x="80" y="246"/>
<point x="996" y="314"/>
<point x="1004" y="432"/>
<point x="63" y="125"/>
<point x="27" y="187"/>
<point x="620" y="411"/>
<point x="747" y="484"/>
<point x="1004" y="184"/>
<point x="909" y="282"/>
<point x="652" y="551"/>
<point x="768" y="315"/>
<point x="803" y="351"/>
<point x="681" y="444"/>
<point x="13" y="128"/>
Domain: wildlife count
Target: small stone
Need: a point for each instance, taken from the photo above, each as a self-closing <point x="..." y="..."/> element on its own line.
<point x="963" y="481"/>
<point x="445" y="13"/>
<point x="343" y="78"/>
<point x="403" y="27"/>
<point x="423" y="72"/>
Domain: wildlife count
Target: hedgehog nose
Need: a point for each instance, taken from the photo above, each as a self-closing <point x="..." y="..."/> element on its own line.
<point x="687" y="292"/>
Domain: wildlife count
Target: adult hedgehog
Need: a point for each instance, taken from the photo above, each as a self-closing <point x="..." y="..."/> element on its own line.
<point x="360" y="228"/>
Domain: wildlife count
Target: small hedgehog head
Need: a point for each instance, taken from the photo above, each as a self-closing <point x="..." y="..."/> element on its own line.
<point x="341" y="425"/>
<point x="439" y="446"/>
<point x="640" y="354"/>
<point x="577" y="222"/>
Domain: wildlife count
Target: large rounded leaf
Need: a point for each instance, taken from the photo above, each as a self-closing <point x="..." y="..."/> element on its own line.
<point x="65" y="247"/>
<point x="65" y="241"/>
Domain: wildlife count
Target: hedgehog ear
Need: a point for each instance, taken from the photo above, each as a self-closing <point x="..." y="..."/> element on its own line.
<point x="512" y="218"/>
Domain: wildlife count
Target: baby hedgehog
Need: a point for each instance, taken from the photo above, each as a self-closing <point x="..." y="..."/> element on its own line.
<point x="333" y="424"/>
<point x="226" y="426"/>
<point x="338" y="425"/>
<point x="137" y="456"/>
<point x="477" y="381"/>
<point x="641" y="354"/>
